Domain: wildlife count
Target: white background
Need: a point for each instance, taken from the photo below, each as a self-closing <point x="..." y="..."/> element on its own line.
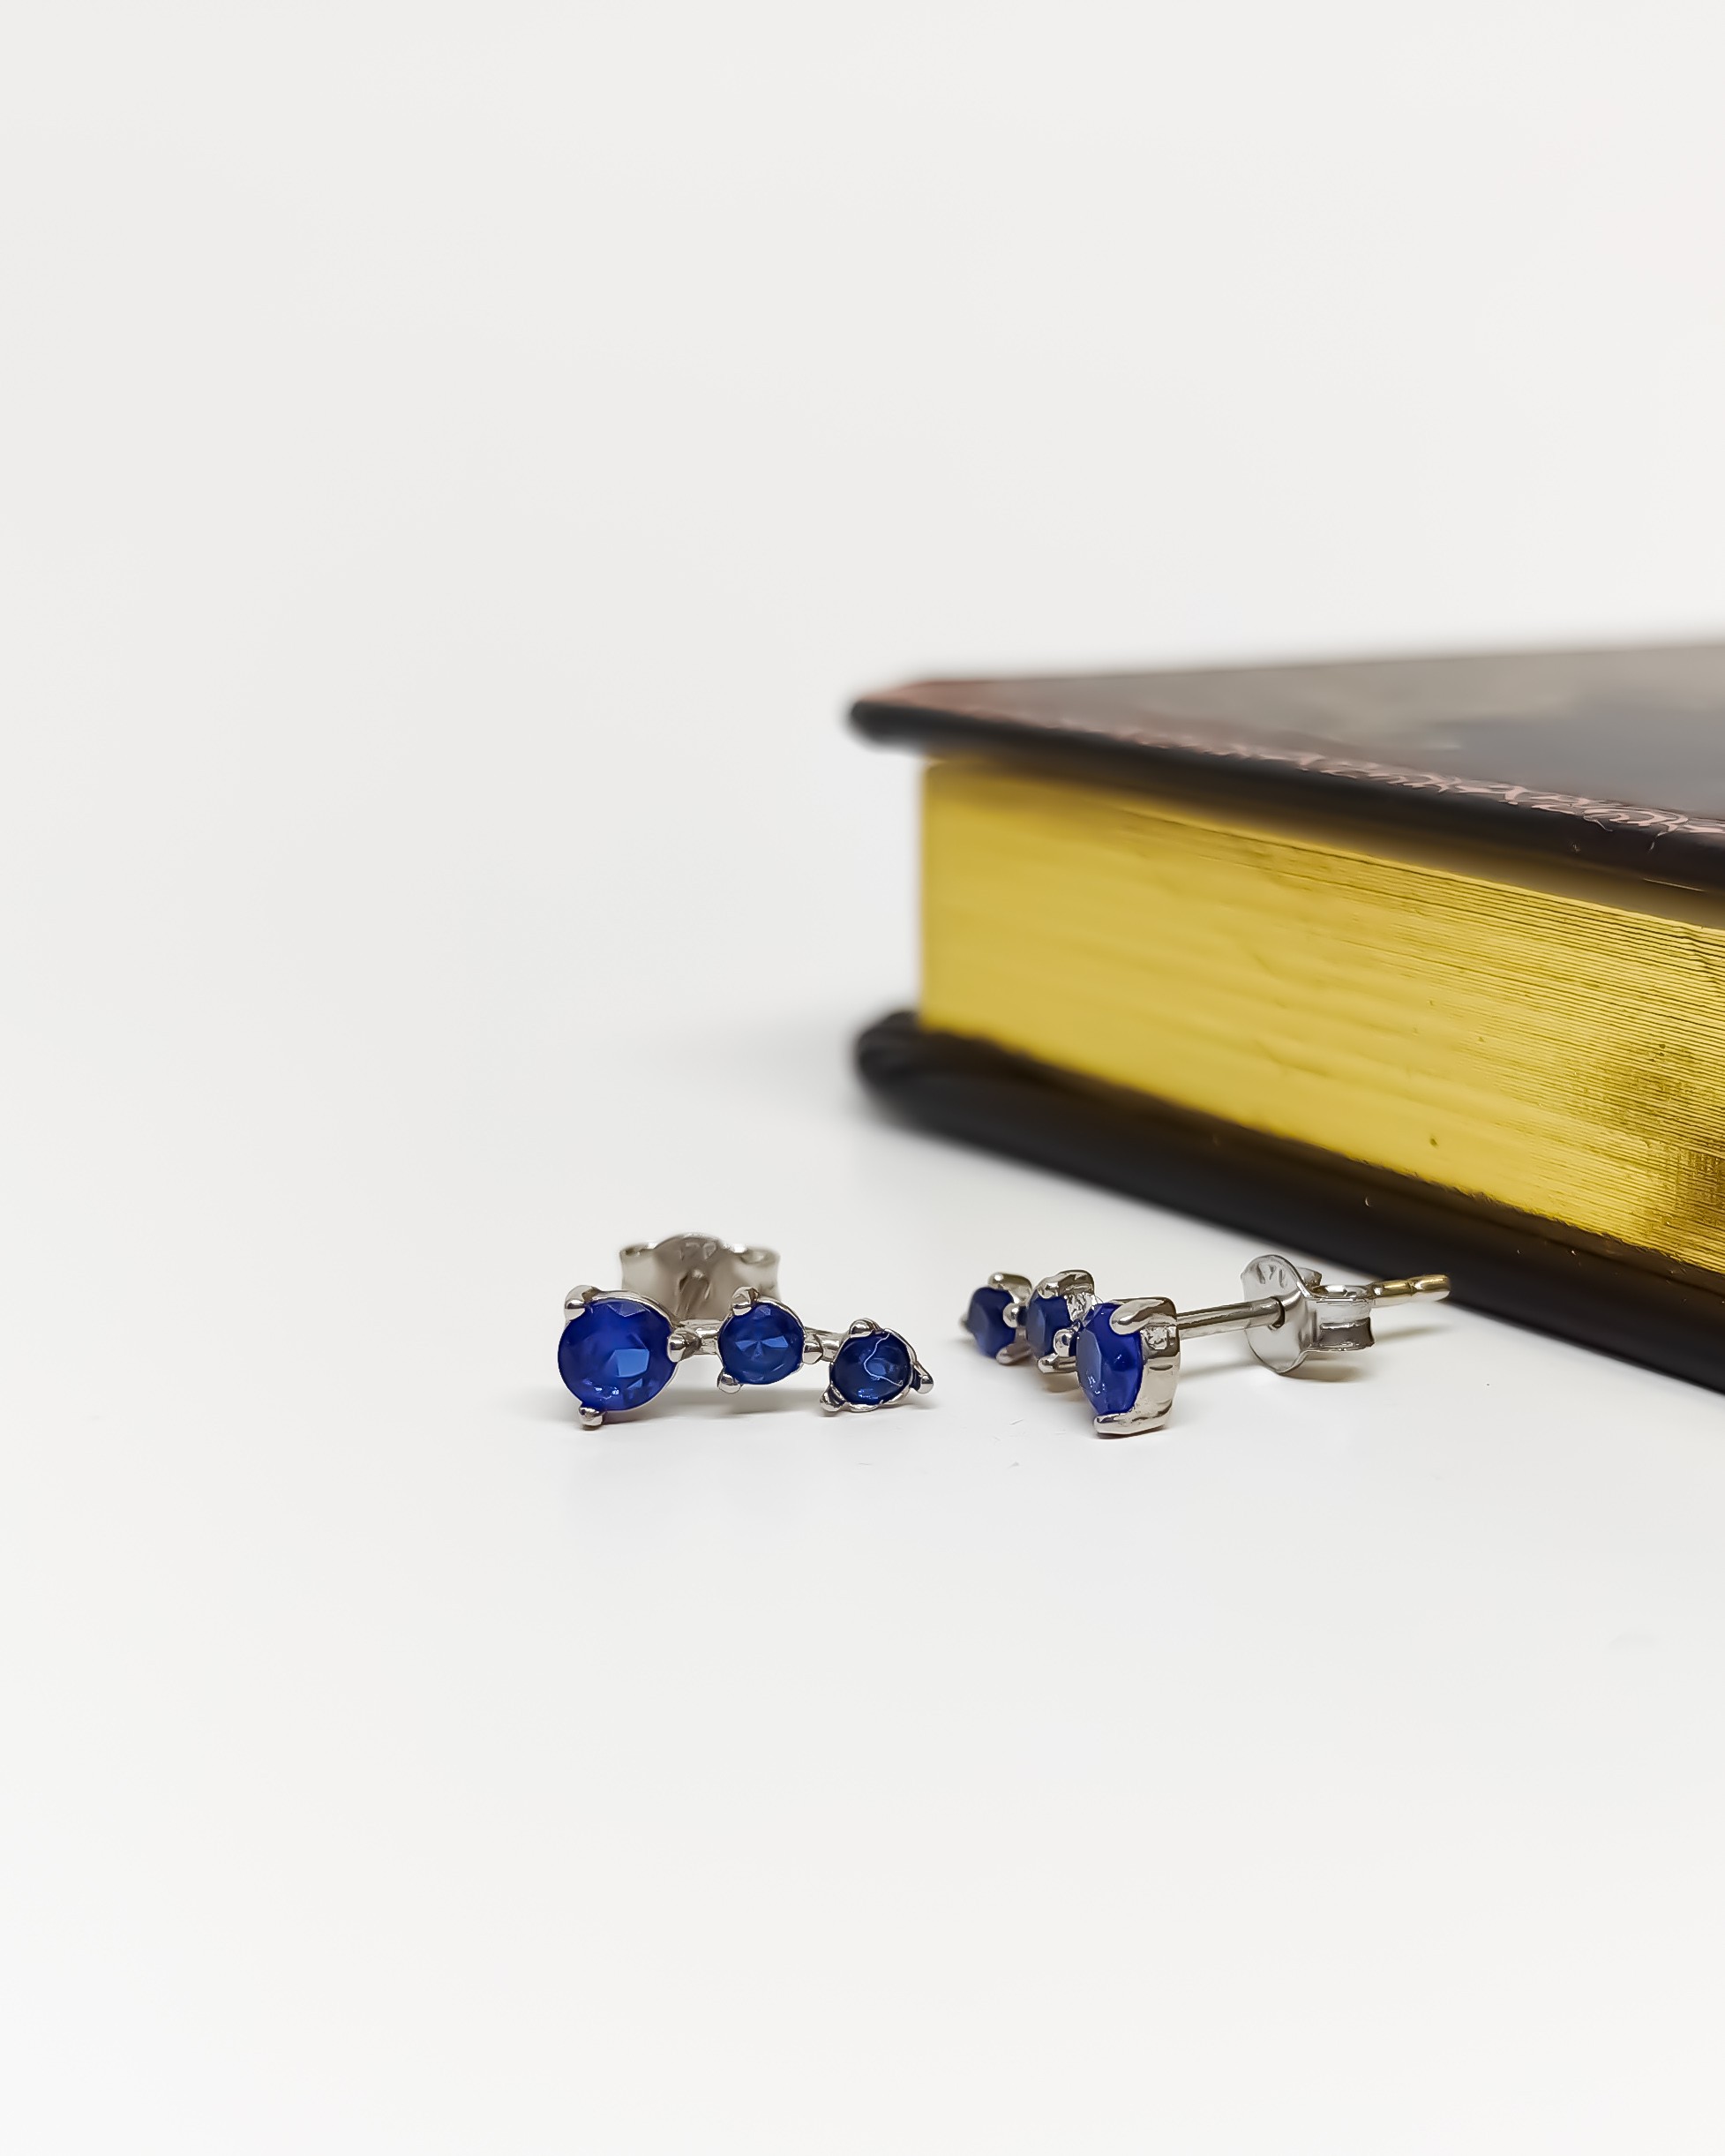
<point x="455" y="465"/>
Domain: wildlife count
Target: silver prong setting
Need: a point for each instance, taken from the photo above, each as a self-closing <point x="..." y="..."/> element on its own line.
<point x="1061" y="1360"/>
<point x="1136" y="1423"/>
<point x="1065" y="1285"/>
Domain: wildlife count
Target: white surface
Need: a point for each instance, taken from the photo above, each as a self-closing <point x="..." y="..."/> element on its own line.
<point x="454" y="463"/>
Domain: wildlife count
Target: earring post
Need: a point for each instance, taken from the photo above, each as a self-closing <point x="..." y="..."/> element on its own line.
<point x="1228" y="1317"/>
<point x="1422" y="1288"/>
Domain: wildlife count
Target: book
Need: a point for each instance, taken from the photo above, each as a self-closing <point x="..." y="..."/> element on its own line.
<point x="1417" y="963"/>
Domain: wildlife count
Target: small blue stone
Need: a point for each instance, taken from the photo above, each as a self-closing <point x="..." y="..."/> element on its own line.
<point x="761" y="1345"/>
<point x="615" y="1354"/>
<point x="1111" y="1365"/>
<point x="872" y="1369"/>
<point x="984" y="1322"/>
<point x="1047" y="1315"/>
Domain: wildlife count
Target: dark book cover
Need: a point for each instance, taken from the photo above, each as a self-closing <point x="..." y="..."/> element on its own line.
<point x="1613" y="757"/>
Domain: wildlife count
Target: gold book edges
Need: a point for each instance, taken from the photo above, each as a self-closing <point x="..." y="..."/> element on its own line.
<point x="1554" y="1044"/>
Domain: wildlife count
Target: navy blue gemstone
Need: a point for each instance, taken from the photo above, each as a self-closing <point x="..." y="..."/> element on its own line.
<point x="615" y="1353"/>
<point x="870" y="1370"/>
<point x="1047" y="1315"/>
<point x="1111" y="1365"/>
<point x="761" y="1345"/>
<point x="984" y="1322"/>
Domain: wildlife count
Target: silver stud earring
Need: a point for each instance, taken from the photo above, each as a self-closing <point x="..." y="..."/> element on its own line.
<point x="694" y="1295"/>
<point x="1126" y="1354"/>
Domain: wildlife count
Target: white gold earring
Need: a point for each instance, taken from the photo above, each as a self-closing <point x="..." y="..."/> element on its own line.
<point x="1126" y="1354"/>
<point x="694" y="1295"/>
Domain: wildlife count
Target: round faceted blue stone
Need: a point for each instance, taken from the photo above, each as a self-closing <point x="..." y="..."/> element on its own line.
<point x="761" y="1345"/>
<point x="872" y="1369"/>
<point x="1111" y="1365"/>
<point x="615" y="1354"/>
<point x="1047" y="1315"/>
<point x="984" y="1322"/>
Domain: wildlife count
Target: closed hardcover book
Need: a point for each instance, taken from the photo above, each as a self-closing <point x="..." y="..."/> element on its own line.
<point x="1417" y="962"/>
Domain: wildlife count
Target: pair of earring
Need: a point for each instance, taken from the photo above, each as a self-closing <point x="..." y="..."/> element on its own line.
<point x="694" y="1295"/>
<point x="1126" y="1354"/>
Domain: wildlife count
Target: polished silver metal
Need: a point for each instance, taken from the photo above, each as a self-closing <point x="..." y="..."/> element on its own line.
<point x="696" y="1282"/>
<point x="697" y="1276"/>
<point x="1288" y="1314"/>
<point x="1315" y="1319"/>
<point x="1230" y="1317"/>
